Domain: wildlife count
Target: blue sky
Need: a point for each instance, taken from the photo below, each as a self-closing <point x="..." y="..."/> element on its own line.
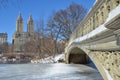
<point x="38" y="9"/>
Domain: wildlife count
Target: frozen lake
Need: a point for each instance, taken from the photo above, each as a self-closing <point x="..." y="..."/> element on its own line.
<point x="47" y="72"/>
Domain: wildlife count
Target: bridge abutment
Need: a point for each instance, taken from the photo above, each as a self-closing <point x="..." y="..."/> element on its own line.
<point x="108" y="63"/>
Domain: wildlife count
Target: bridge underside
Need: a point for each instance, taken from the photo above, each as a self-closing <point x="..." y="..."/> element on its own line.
<point x="77" y="56"/>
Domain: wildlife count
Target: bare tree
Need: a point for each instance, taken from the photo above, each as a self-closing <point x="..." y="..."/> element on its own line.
<point x="65" y="21"/>
<point x="49" y="39"/>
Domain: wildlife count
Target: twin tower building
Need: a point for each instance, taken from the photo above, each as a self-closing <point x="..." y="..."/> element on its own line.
<point x="20" y="38"/>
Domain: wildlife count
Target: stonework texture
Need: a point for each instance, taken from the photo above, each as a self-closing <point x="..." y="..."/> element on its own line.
<point x="109" y="60"/>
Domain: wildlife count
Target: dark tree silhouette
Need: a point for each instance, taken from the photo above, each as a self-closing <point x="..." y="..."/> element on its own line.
<point x="65" y="21"/>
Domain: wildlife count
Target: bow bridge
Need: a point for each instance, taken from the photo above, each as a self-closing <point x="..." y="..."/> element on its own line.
<point x="97" y="37"/>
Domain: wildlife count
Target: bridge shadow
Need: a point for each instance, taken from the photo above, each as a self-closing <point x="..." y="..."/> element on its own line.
<point x="91" y="64"/>
<point x="78" y="56"/>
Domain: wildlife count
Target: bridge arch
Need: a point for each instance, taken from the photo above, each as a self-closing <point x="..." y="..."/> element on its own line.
<point x="78" y="56"/>
<point x="86" y="55"/>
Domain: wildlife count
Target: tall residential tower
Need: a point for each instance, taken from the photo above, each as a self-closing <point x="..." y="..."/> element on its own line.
<point x="20" y="37"/>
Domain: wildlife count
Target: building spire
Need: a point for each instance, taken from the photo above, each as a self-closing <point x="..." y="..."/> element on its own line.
<point x="20" y="17"/>
<point x="30" y="27"/>
<point x="19" y="23"/>
<point x="30" y="18"/>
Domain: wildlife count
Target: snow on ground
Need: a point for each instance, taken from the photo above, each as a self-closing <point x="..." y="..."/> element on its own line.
<point x="59" y="57"/>
<point x="50" y="59"/>
<point x="45" y="60"/>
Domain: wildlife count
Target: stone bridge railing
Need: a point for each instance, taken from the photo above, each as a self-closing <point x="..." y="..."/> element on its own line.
<point x="96" y="17"/>
<point x="98" y="36"/>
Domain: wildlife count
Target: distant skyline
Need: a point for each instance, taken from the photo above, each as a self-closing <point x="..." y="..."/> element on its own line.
<point x="38" y="9"/>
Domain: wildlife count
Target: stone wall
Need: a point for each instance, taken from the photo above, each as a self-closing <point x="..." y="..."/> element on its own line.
<point x="109" y="60"/>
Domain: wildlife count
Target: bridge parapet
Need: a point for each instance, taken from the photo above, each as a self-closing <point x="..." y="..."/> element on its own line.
<point x="98" y="15"/>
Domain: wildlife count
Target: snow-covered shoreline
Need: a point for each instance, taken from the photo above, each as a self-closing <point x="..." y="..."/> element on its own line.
<point x="50" y="59"/>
